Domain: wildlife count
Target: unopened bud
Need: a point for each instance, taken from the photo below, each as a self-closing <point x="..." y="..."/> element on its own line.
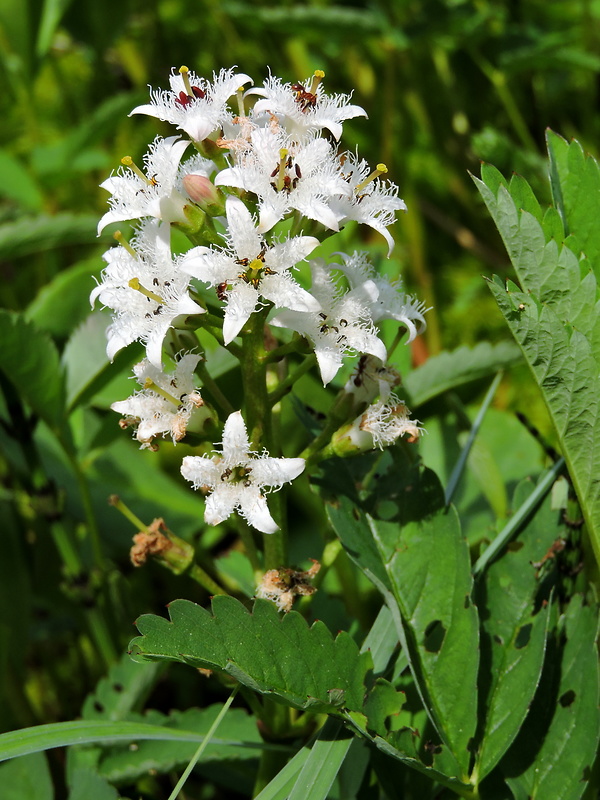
<point x="205" y="194"/>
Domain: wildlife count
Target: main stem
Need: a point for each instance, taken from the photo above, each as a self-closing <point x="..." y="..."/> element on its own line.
<point x="259" y="420"/>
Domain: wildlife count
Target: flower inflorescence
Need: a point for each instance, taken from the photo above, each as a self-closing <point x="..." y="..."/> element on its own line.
<point x="266" y="186"/>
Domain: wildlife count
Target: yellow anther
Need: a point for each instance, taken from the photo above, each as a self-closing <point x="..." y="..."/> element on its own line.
<point x="380" y="170"/>
<point x="128" y="161"/>
<point x="240" y="101"/>
<point x="124" y="243"/>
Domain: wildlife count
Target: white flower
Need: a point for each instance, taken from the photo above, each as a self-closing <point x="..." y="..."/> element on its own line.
<point x="146" y="290"/>
<point x="194" y="104"/>
<point x="383" y="423"/>
<point x="236" y="476"/>
<point x="288" y="176"/>
<point x="249" y="269"/>
<point x="344" y="324"/>
<point x="159" y="193"/>
<point x="370" y="201"/>
<point x="165" y="404"/>
<point x="391" y="302"/>
<point x="305" y="108"/>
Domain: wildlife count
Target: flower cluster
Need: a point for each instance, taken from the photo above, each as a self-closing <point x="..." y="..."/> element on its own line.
<point x="267" y="183"/>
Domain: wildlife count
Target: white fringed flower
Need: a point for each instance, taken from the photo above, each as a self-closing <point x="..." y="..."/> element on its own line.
<point x="236" y="476"/>
<point x="158" y="192"/>
<point x="344" y="324"/>
<point x="391" y="302"/>
<point x="146" y="290"/>
<point x="248" y="270"/>
<point x="288" y="176"/>
<point x="195" y="105"/>
<point x="370" y="201"/>
<point x="382" y="424"/>
<point x="165" y="404"/>
<point x="304" y="108"/>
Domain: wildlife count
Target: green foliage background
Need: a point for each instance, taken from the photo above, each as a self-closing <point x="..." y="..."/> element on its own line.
<point x="446" y="85"/>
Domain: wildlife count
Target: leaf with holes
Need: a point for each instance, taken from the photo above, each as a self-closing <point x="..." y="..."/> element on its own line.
<point x="513" y="635"/>
<point x="567" y="743"/>
<point x="277" y="656"/>
<point x="422" y="561"/>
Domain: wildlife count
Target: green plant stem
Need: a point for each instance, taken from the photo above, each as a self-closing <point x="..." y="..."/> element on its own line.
<point x="91" y="526"/>
<point x="203" y="578"/>
<point x="284" y="387"/>
<point x="297" y="345"/>
<point x="214" y="390"/>
<point x="203" y="745"/>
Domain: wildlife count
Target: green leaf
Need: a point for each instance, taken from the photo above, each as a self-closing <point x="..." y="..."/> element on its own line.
<point x="562" y="766"/>
<point x="69" y="291"/>
<point x="60" y="734"/>
<point x="30" y="361"/>
<point x="554" y="318"/>
<point x="120" y="691"/>
<point x="424" y="561"/>
<point x="277" y="656"/>
<point x="43" y="233"/>
<point x="575" y="180"/>
<point x="87" y="785"/>
<point x="449" y="370"/>
<point x="120" y="763"/>
<point x="26" y="778"/>
<point x="514" y="632"/>
<point x="17" y="183"/>
<point x="51" y="15"/>
<point x="323" y="763"/>
<point x="280" y="786"/>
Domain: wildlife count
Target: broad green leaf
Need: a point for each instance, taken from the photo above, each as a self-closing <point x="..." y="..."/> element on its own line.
<point x="562" y="766"/>
<point x="69" y="291"/>
<point x="26" y="778"/>
<point x="120" y="763"/>
<point x="42" y="233"/>
<point x="381" y="641"/>
<point x="279" y="657"/>
<point x="423" y="560"/>
<point x="323" y="763"/>
<point x="87" y="785"/>
<point x="575" y="180"/>
<point x="121" y="690"/>
<point x="17" y="183"/>
<point x="280" y="786"/>
<point x="60" y="734"/>
<point x="29" y="360"/>
<point x="514" y="635"/>
<point x="449" y="370"/>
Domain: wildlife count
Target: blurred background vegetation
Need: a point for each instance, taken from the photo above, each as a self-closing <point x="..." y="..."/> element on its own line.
<point x="445" y="84"/>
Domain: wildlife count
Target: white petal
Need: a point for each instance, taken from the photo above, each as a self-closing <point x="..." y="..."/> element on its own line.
<point x="253" y="507"/>
<point x="235" y="439"/>
<point x="276" y="471"/>
<point x="201" y="471"/>
<point x="241" y="302"/>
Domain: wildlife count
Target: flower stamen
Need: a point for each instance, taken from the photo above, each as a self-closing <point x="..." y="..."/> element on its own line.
<point x="127" y="161"/>
<point x="124" y="243"/>
<point x="154" y="387"/>
<point x="381" y="169"/>
<point x="134" y="283"/>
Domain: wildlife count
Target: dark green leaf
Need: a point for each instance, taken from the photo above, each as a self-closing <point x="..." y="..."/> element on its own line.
<point x="39" y="234"/>
<point x="87" y="785"/>
<point x="26" y="778"/>
<point x="280" y="657"/>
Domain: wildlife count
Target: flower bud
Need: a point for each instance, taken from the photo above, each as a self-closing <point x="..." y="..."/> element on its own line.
<point x="205" y="194"/>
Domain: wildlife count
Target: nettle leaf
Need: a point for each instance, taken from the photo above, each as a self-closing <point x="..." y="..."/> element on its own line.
<point x="562" y="765"/>
<point x="514" y="631"/>
<point x="449" y="370"/>
<point x="554" y="318"/>
<point x="277" y="656"/>
<point x="422" y="562"/>
<point x="30" y="361"/>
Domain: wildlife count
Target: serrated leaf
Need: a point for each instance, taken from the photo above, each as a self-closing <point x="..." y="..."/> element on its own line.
<point x="120" y="691"/>
<point x="448" y="370"/>
<point x="88" y="785"/>
<point x="562" y="767"/>
<point x="279" y="657"/>
<point x="30" y="361"/>
<point x="424" y="562"/>
<point x="578" y="176"/>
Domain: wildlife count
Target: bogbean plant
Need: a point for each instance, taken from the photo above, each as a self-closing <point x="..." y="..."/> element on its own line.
<point x="471" y="666"/>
